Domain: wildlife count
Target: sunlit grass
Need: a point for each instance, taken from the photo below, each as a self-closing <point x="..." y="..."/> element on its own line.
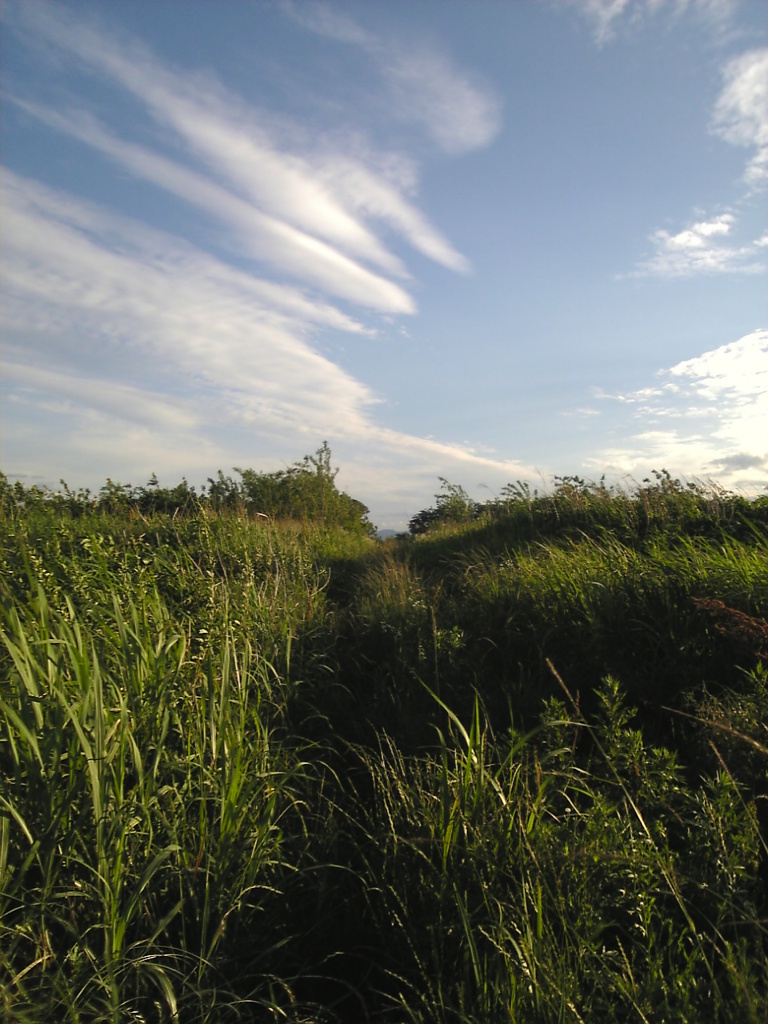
<point x="145" y="801"/>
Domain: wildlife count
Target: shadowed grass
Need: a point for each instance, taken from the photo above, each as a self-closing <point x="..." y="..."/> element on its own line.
<point x="511" y="880"/>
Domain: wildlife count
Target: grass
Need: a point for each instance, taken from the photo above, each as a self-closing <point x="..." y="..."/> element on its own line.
<point x="154" y="803"/>
<point x="512" y="769"/>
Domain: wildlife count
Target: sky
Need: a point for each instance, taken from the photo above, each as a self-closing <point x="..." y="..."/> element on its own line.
<point x="475" y="240"/>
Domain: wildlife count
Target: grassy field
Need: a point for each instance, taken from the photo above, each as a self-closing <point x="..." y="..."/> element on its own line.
<point x="512" y="767"/>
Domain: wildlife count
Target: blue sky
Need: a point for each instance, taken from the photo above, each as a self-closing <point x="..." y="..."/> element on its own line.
<point x="483" y="241"/>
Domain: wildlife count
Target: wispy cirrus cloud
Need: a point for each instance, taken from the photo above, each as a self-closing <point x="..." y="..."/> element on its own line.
<point x="424" y="86"/>
<point x="92" y="290"/>
<point x="705" y="416"/>
<point x="112" y="400"/>
<point x="603" y="15"/>
<point x="116" y="330"/>
<point x="607" y="16"/>
<point x="311" y="205"/>
<point x="257" y="234"/>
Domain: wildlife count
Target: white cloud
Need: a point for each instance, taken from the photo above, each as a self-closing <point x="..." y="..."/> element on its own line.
<point x="330" y="22"/>
<point x="603" y="14"/>
<point x="424" y="85"/>
<point x="140" y="351"/>
<point x="286" y="198"/>
<point x="260" y="235"/>
<point x="707" y="417"/>
<point x="125" y="337"/>
<point x="100" y="295"/>
<point x="696" y="236"/>
<point x="429" y="90"/>
<point x="370" y="194"/>
<point x="230" y="141"/>
<point x="114" y="400"/>
<point x="699" y="249"/>
<point x="741" y="112"/>
<point x="738" y="371"/>
<point x="606" y="16"/>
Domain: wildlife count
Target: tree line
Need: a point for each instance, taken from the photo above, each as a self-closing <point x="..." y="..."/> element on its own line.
<point x="305" y="492"/>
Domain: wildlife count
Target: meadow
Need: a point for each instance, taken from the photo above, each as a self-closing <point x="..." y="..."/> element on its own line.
<point x="258" y="765"/>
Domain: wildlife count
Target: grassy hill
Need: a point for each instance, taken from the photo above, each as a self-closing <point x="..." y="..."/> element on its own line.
<point x="257" y="765"/>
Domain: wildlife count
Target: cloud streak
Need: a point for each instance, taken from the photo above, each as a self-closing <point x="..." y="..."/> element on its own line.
<point x="423" y="85"/>
<point x="303" y="219"/>
<point x="163" y="300"/>
<point x="109" y="322"/>
<point x="606" y="16"/>
<point x="115" y="330"/>
<point x="259" y="235"/>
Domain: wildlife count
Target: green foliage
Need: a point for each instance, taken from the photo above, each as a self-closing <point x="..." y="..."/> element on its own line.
<point x="512" y="879"/>
<point x="660" y="506"/>
<point x="452" y="505"/>
<point x="143" y="802"/>
<point x="267" y="768"/>
<point x="305" y="492"/>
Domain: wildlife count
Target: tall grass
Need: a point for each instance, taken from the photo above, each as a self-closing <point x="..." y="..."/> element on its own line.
<point x="506" y="771"/>
<point x="145" y="801"/>
<point x="512" y="880"/>
<point x="472" y="607"/>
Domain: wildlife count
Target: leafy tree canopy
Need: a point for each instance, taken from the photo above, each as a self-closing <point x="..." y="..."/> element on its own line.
<point x="305" y="491"/>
